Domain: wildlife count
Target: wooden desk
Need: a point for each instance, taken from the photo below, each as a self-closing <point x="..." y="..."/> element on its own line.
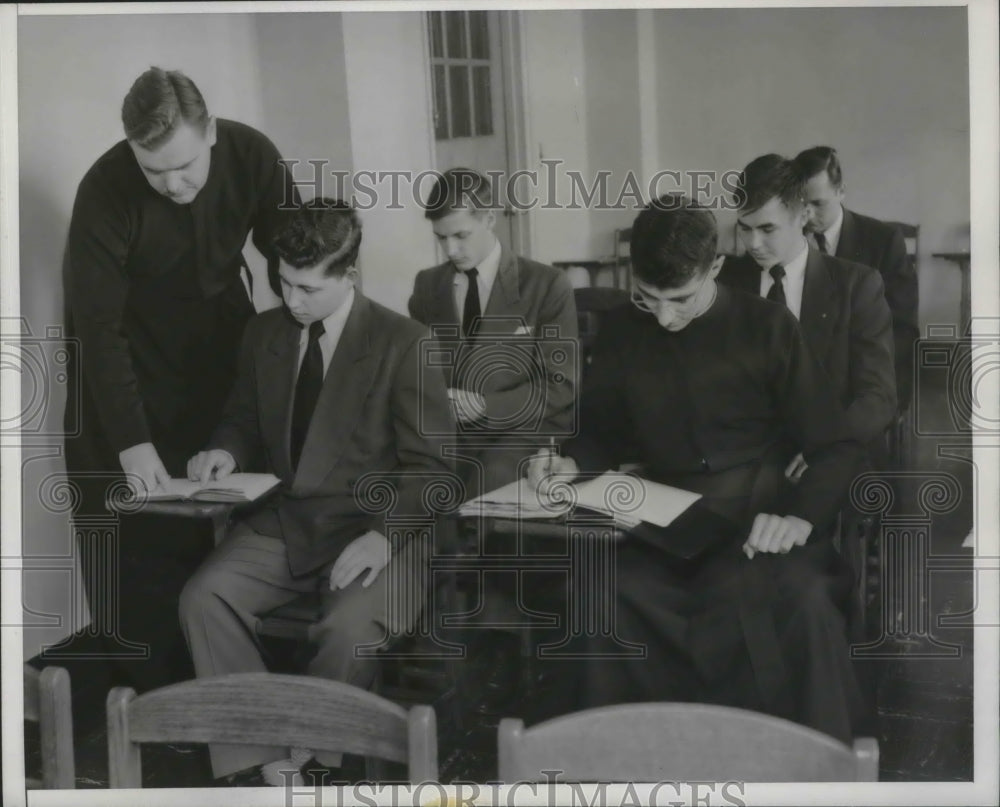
<point x="218" y="513"/>
<point x="963" y="260"/>
<point x="584" y="545"/>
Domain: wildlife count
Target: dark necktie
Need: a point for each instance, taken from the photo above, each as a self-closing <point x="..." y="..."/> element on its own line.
<point x="821" y="242"/>
<point x="471" y="311"/>
<point x="307" y="387"/>
<point x="777" y="290"/>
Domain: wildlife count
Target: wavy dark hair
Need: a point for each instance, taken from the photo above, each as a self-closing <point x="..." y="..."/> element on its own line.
<point x="319" y="230"/>
<point x="673" y="240"/>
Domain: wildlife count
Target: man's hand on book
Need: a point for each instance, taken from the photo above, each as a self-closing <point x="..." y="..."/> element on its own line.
<point x="771" y="533"/>
<point x="215" y="463"/>
<point x="369" y="551"/>
<point x="141" y="463"/>
<point x="545" y="465"/>
<point x="467" y="406"/>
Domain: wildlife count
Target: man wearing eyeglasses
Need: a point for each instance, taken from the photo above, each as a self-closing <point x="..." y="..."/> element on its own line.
<point x="707" y="389"/>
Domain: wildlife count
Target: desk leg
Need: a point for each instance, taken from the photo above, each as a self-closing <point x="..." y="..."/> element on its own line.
<point x="220" y="526"/>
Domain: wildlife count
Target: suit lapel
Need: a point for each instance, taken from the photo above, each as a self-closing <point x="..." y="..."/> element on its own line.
<point x="820" y="301"/>
<point x="276" y="372"/>
<point x="345" y="388"/>
<point x="444" y="312"/>
<point x="506" y="292"/>
<point x="848" y="236"/>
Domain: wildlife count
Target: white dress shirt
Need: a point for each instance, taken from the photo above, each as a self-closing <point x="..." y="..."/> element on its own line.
<point x="333" y="327"/>
<point x="794" y="281"/>
<point x="488" y="269"/>
<point x="832" y="233"/>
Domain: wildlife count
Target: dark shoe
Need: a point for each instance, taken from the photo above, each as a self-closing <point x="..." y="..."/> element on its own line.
<point x="315" y="774"/>
<point x="248" y="777"/>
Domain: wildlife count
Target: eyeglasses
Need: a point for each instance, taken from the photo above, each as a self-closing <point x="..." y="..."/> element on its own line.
<point x="654" y="305"/>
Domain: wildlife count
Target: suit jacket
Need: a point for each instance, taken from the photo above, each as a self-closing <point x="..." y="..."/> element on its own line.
<point x="380" y="412"/>
<point x="847" y="326"/>
<point x="881" y="246"/>
<point x="531" y="317"/>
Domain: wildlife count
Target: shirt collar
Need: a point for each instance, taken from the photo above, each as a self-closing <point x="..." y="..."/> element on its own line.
<point x="832" y="233"/>
<point x="333" y="324"/>
<point x="488" y="266"/>
<point x="796" y="267"/>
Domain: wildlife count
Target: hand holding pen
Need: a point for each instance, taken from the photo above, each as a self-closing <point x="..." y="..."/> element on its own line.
<point x="546" y="464"/>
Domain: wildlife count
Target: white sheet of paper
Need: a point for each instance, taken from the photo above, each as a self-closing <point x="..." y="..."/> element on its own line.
<point x="634" y="499"/>
<point x="515" y="500"/>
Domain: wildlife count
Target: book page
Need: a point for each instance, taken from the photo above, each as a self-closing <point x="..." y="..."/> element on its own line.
<point x="633" y="499"/>
<point x="515" y="500"/>
<point x="235" y="487"/>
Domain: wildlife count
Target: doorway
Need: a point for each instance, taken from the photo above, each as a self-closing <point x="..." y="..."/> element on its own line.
<point x="477" y="107"/>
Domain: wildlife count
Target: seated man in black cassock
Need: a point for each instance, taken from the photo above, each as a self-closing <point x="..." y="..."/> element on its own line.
<point x="708" y="388"/>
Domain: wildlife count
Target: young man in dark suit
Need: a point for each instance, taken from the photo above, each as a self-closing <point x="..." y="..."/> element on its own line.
<point x="709" y="389"/>
<point x="840" y="305"/>
<point x="862" y="239"/>
<point x="514" y="324"/>
<point x="330" y="392"/>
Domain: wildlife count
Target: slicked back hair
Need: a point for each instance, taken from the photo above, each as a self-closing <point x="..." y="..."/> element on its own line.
<point x="158" y="103"/>
<point x="459" y="189"/>
<point x="820" y="159"/>
<point x="768" y="177"/>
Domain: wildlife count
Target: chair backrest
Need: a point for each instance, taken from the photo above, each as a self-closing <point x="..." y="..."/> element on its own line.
<point x="623" y="257"/>
<point x="592" y="304"/>
<point x="655" y="742"/>
<point x="47" y="701"/>
<point x="268" y="709"/>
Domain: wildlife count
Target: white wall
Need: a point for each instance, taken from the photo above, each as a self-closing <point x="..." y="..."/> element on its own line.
<point x="610" y="41"/>
<point x="73" y="74"/>
<point x="556" y="106"/>
<point x="388" y="94"/>
<point x="888" y="87"/>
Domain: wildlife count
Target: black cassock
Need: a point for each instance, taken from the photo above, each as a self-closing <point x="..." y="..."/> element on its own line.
<point x="155" y="297"/>
<point x="720" y="408"/>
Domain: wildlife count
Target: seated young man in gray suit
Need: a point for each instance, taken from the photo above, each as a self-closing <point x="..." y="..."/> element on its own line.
<point x="840" y="305"/>
<point x="330" y="391"/>
<point x="513" y="328"/>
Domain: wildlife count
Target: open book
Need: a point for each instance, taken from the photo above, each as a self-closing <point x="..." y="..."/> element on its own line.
<point x="516" y="500"/>
<point x="626" y="498"/>
<point x="233" y="488"/>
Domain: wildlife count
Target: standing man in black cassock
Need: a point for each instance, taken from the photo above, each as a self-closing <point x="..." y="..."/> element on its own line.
<point x="158" y="299"/>
<point x="709" y="388"/>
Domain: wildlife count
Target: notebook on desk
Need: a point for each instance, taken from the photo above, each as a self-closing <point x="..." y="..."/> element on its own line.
<point x="234" y="488"/>
<point x="669" y="517"/>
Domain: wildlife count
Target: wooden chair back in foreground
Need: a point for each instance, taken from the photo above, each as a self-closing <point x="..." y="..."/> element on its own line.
<point x="47" y="701"/>
<point x="268" y="709"/>
<point x="656" y="742"/>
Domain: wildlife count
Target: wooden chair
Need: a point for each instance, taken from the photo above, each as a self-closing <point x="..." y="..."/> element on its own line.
<point x="592" y="305"/>
<point x="47" y="701"/>
<point x="619" y="262"/>
<point x="656" y="742"/>
<point x="268" y="709"/>
<point x="415" y="670"/>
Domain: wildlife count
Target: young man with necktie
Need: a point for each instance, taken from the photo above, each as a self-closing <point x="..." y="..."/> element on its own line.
<point x="862" y="239"/>
<point x="513" y="384"/>
<point x="330" y="391"/>
<point x="840" y="305"/>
